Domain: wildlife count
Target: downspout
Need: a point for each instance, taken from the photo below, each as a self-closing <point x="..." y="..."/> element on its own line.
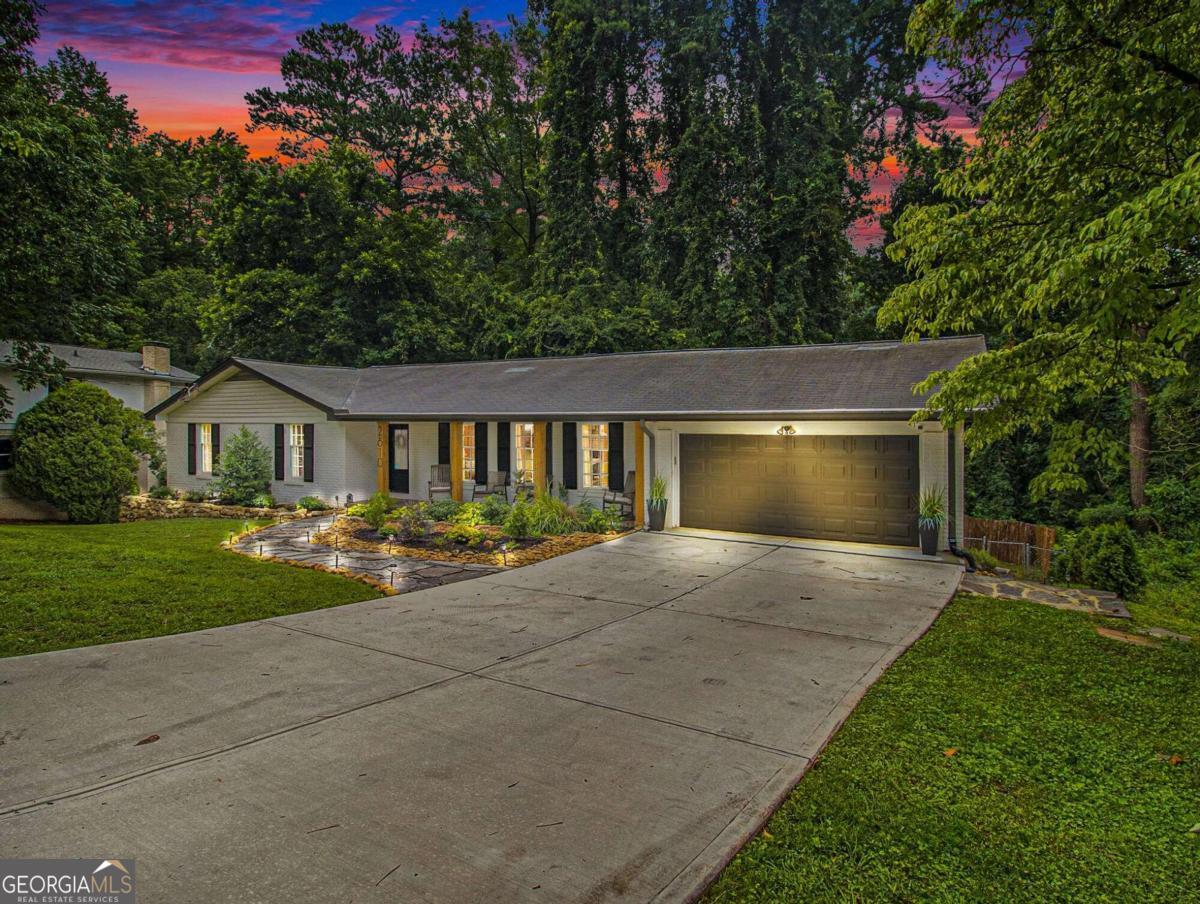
<point x="952" y="492"/>
<point x="649" y="434"/>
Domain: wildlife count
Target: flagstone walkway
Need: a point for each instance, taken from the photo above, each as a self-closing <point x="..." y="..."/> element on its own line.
<point x="1076" y="599"/>
<point x="289" y="542"/>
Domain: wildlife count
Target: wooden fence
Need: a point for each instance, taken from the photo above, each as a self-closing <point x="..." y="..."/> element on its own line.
<point x="1015" y="542"/>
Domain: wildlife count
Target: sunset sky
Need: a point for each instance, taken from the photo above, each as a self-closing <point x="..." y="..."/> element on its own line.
<point x="187" y="66"/>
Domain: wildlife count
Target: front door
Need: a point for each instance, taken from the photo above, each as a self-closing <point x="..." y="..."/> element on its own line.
<point x="398" y="458"/>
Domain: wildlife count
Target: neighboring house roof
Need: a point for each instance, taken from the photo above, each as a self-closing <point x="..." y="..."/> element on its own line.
<point x="846" y="380"/>
<point x="104" y="362"/>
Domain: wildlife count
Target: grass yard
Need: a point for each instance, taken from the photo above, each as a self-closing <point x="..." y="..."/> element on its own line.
<point x="1012" y="754"/>
<point x="73" y="585"/>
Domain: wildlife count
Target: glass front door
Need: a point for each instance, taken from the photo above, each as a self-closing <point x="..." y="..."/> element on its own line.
<point x="398" y="458"/>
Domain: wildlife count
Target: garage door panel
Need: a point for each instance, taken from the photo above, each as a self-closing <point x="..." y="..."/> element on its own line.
<point x="860" y="488"/>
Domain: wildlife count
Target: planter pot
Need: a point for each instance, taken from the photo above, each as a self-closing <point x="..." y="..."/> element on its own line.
<point x="658" y="517"/>
<point x="929" y="540"/>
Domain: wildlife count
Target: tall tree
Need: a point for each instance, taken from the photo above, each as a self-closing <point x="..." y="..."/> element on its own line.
<point x="370" y="93"/>
<point x="1073" y="225"/>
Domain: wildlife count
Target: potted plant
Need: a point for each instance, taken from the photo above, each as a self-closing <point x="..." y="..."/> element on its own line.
<point x="658" y="502"/>
<point x="931" y="515"/>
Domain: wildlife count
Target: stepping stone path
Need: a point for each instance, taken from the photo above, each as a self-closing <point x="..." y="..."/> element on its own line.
<point x="289" y="542"/>
<point x="1098" y="602"/>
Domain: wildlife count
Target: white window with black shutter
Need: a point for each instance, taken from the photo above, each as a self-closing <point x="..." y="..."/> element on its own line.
<point x="593" y="445"/>
<point x="295" y="452"/>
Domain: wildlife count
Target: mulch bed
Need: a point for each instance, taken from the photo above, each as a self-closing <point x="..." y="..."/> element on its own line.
<point x="354" y="533"/>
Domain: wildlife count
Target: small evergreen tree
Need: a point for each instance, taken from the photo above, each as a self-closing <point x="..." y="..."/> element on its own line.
<point x="79" y="449"/>
<point x="244" y="470"/>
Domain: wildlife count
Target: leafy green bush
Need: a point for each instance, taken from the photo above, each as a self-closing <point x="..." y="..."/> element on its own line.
<point x="387" y="532"/>
<point x="1106" y="513"/>
<point x="195" y="496"/>
<point x="79" y="449"/>
<point x="443" y="509"/>
<point x="1175" y="505"/>
<point x="312" y="504"/>
<point x="1104" y="557"/>
<point x="519" y="522"/>
<point x="493" y="510"/>
<point x="464" y="534"/>
<point x="469" y="513"/>
<point x="356" y="510"/>
<point x="378" y="510"/>
<point x="263" y="500"/>
<point x="244" y="470"/>
<point x="161" y="492"/>
<point x="410" y="520"/>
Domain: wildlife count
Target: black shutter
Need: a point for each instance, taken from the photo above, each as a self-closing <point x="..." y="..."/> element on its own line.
<point x="443" y="442"/>
<point x="570" y="455"/>
<point x="191" y="448"/>
<point x="216" y="443"/>
<point x="504" y="448"/>
<point x="481" y="452"/>
<point x="549" y="452"/>
<point x="310" y="452"/>
<point x="279" y="450"/>
<point x="616" y="456"/>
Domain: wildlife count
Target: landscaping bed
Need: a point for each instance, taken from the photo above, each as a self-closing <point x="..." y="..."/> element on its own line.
<point x="492" y="532"/>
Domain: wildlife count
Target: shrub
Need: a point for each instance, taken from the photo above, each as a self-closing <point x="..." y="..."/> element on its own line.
<point x="161" y="492"/>
<point x="464" y="534"/>
<point x="985" y="560"/>
<point x="519" y="522"/>
<point x="263" y="500"/>
<point x="551" y="515"/>
<point x="602" y="521"/>
<point x="387" y="532"/>
<point x="493" y="510"/>
<point x="1175" y="505"/>
<point x="195" y="496"/>
<point x="1105" y="513"/>
<point x="1104" y="556"/>
<point x="311" y="504"/>
<point x="356" y="510"/>
<point x="410" y="520"/>
<point x="469" y="513"/>
<point x="79" y="449"/>
<point x="244" y="470"/>
<point x="443" y="509"/>
<point x="377" y="511"/>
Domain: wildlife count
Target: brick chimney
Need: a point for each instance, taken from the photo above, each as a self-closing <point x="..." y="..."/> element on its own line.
<point x="156" y="357"/>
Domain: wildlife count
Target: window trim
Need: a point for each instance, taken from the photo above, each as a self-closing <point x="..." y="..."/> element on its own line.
<point x="294" y="473"/>
<point x="468" y="460"/>
<point x="522" y="474"/>
<point x="204" y="450"/>
<point x="586" y="448"/>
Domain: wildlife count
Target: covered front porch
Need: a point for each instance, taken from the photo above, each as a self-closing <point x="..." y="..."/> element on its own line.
<point x="586" y="460"/>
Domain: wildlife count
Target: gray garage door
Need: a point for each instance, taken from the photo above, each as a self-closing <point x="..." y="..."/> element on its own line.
<point x="861" y="488"/>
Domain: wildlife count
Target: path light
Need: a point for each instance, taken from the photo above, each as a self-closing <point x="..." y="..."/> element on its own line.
<point x="504" y="553"/>
<point x="260" y="549"/>
<point x="231" y="538"/>
<point x="335" y="559"/>
<point x="392" y="578"/>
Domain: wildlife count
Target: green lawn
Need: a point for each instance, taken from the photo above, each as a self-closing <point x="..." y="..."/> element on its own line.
<point x="74" y="585"/>
<point x="1061" y="787"/>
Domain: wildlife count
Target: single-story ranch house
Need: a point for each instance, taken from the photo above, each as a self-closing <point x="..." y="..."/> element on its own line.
<point x="810" y="441"/>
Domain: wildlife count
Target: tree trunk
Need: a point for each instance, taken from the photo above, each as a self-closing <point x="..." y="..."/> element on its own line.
<point x="1139" y="443"/>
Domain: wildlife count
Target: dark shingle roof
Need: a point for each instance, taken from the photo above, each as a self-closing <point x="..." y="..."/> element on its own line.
<point x="82" y="360"/>
<point x="845" y="379"/>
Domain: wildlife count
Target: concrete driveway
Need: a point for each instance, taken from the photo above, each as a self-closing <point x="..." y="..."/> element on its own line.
<point x="610" y="724"/>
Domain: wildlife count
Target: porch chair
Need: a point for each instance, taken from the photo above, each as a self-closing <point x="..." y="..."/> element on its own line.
<point x="439" y="481"/>
<point x="497" y="485"/>
<point x="624" y="499"/>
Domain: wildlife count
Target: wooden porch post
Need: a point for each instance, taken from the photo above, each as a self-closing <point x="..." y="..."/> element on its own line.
<point x="539" y="456"/>
<point x="639" y="457"/>
<point x="381" y="456"/>
<point x="456" y="460"/>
